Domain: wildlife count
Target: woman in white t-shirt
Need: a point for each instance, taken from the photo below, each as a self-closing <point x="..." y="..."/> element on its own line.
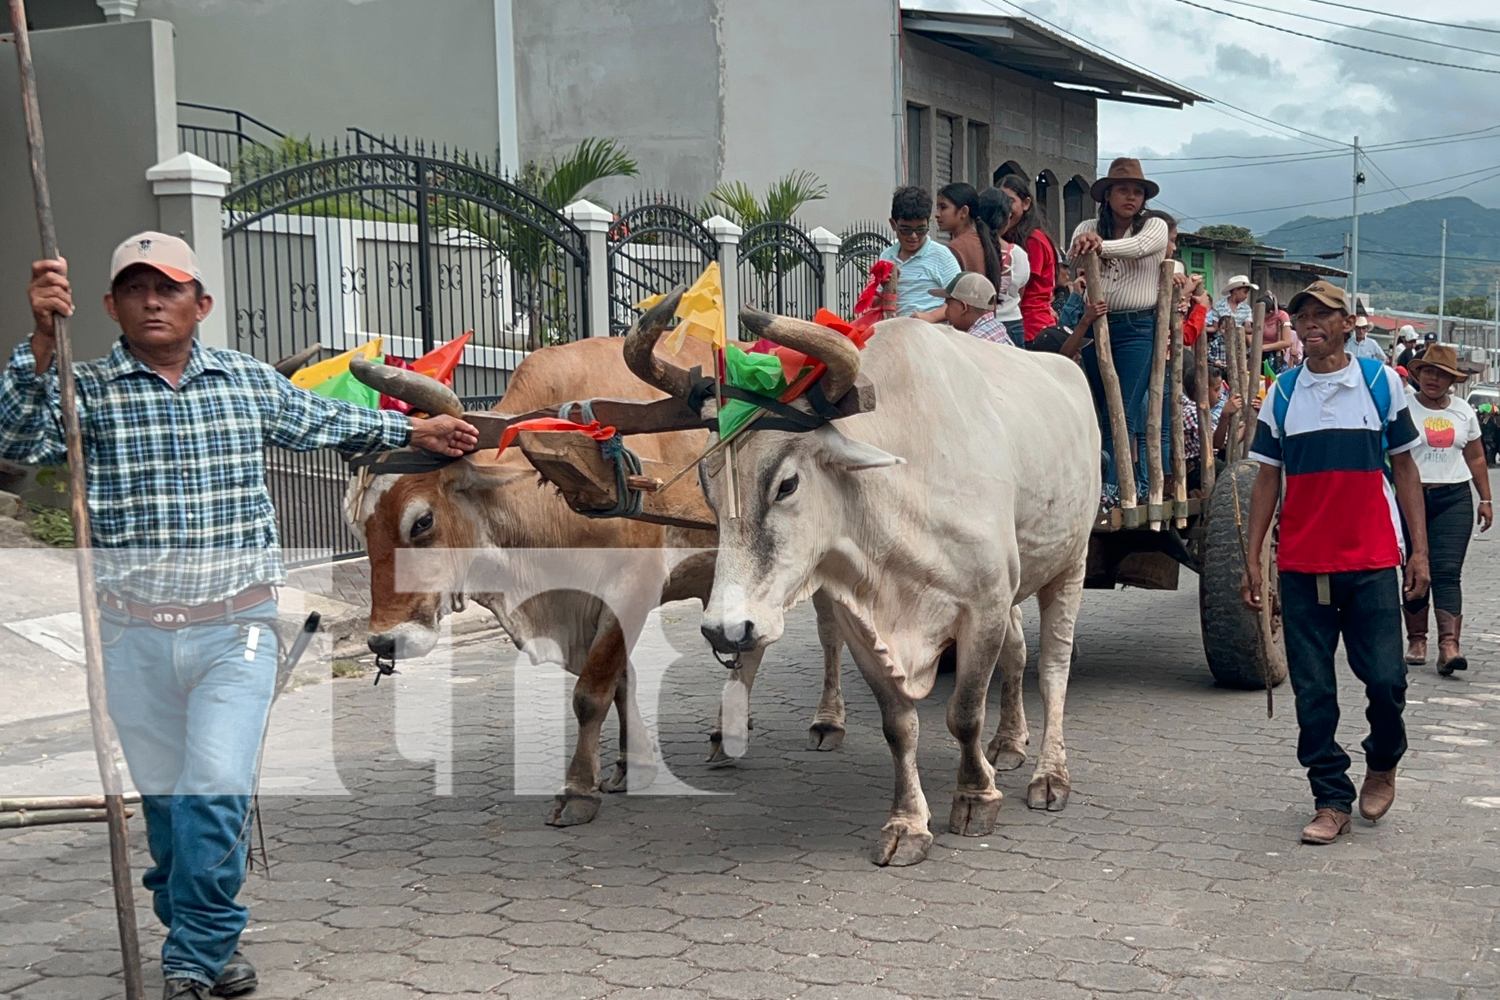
<point x="1449" y="457"/>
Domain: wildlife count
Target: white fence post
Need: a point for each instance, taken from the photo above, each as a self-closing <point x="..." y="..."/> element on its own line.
<point x="827" y="245"/>
<point x="190" y="203"/>
<point x="728" y="236"/>
<point x="594" y="222"/>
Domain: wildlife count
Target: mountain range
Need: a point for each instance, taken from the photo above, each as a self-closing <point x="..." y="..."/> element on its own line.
<point x="1399" y="249"/>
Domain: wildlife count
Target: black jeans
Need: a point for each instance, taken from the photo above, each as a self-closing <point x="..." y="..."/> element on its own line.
<point x="1450" y="525"/>
<point x="1365" y="608"/>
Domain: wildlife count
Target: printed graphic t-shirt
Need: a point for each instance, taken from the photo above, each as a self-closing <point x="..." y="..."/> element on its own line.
<point x="1339" y="512"/>
<point x="1441" y="436"/>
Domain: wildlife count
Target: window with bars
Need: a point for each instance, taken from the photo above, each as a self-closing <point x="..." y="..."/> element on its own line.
<point x="947" y="126"/>
<point x="974" y="154"/>
<point x="916" y="144"/>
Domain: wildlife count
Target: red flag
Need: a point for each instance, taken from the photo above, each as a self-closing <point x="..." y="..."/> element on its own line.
<point x="549" y="424"/>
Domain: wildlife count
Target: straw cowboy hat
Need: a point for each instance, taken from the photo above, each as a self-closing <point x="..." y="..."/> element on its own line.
<point x="1124" y="169"/>
<point x="1443" y="358"/>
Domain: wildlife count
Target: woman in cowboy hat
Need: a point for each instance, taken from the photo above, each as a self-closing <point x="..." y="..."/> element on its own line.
<point x="1131" y="247"/>
<point x="1449" y="455"/>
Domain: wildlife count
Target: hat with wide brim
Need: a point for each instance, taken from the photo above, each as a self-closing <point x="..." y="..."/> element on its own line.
<point x="1443" y="358"/>
<point x="1124" y="169"/>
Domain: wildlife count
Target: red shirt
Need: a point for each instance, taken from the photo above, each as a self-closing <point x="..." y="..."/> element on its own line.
<point x="1192" y="324"/>
<point x="1036" y="297"/>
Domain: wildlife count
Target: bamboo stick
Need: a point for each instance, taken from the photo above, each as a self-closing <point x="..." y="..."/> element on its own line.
<point x="1155" y="473"/>
<point x="1206" y="467"/>
<point x="61" y="802"/>
<point x="1253" y="380"/>
<point x="19" y="818"/>
<point x="1179" y="444"/>
<point x="1118" y="429"/>
<point x="88" y="603"/>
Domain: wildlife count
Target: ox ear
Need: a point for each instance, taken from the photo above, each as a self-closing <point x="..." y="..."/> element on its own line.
<point x="850" y="455"/>
<point x="467" y="474"/>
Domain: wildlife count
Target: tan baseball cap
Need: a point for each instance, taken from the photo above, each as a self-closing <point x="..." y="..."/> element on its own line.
<point x="1326" y="292"/>
<point x="969" y="288"/>
<point x="168" y="254"/>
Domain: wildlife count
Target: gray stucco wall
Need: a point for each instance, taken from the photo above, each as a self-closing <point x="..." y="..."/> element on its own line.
<point x="108" y="114"/>
<point x="810" y="86"/>
<point x="419" y="68"/>
<point x="1031" y="123"/>
<point x="644" y="72"/>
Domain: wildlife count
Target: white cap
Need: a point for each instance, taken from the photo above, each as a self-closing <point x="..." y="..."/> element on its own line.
<point x="170" y="255"/>
<point x="1239" y="281"/>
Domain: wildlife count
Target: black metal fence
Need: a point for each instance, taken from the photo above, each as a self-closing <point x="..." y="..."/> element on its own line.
<point x="859" y="247"/>
<point x="341" y="244"/>
<point x="780" y="269"/>
<point x="655" y="244"/>
<point x="229" y="138"/>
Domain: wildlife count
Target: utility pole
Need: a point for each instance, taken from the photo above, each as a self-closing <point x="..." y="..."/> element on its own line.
<point x="1443" y="280"/>
<point x="1494" y="355"/>
<point x="1346" y="252"/>
<point x="1359" y="179"/>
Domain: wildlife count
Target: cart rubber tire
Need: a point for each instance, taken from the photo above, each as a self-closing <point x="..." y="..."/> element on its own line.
<point x="1232" y="636"/>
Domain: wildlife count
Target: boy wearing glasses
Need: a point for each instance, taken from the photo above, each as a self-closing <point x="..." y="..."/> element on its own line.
<point x="922" y="263"/>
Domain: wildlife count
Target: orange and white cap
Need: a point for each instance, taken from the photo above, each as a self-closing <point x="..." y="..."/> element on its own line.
<point x="168" y="254"/>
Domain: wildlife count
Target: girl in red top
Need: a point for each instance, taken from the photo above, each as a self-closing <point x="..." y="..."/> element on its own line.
<point x="1025" y="228"/>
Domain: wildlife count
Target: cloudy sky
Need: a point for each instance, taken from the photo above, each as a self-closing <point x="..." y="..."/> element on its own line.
<point x="1323" y="89"/>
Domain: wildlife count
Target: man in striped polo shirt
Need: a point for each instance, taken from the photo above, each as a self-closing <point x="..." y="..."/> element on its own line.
<point x="1334" y="425"/>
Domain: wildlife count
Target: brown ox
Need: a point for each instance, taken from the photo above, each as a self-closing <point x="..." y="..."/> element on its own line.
<point x="485" y="504"/>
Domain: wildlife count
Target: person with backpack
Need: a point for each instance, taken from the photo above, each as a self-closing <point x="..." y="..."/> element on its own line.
<point x="1333" y="426"/>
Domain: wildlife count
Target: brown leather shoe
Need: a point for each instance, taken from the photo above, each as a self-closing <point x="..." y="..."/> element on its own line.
<point x="1326" y="827"/>
<point x="1377" y="794"/>
<point x="1416" y="637"/>
<point x="1450" y="657"/>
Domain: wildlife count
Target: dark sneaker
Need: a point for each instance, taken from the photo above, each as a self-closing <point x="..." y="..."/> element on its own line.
<point x="238" y="977"/>
<point x="185" y="989"/>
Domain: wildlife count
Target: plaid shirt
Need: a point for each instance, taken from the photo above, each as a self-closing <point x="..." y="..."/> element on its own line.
<point x="987" y="327"/>
<point x="177" y="477"/>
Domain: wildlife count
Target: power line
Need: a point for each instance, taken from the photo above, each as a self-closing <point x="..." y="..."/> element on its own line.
<point x="1406" y="17"/>
<point x="1358" y="27"/>
<point x="1395" y="145"/>
<point x="1218" y="104"/>
<point x="1393" y="184"/>
<point x="1493" y="173"/>
<point x="1330" y="41"/>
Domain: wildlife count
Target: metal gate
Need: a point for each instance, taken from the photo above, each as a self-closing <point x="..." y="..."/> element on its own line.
<point x="656" y="244"/>
<point x="860" y="247"/>
<point x="341" y="244"/>
<point x="780" y="270"/>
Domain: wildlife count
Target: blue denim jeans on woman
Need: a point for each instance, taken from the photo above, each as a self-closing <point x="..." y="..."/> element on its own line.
<point x="191" y="706"/>
<point x="1132" y="337"/>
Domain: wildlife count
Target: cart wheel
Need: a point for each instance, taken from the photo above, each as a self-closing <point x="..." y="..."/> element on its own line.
<point x="1242" y="647"/>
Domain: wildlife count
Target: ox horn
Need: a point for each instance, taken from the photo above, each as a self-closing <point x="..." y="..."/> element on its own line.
<point x="423" y="392"/>
<point x="289" y="365"/>
<point x="833" y="349"/>
<point x="640" y="349"/>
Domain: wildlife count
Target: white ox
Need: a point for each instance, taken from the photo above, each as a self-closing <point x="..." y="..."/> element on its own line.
<point x="972" y="486"/>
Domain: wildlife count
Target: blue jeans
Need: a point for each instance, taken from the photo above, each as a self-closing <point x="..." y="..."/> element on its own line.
<point x="191" y="707"/>
<point x="1132" y="336"/>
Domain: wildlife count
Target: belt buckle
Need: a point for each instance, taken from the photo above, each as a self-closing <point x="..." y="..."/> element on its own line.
<point x="169" y="616"/>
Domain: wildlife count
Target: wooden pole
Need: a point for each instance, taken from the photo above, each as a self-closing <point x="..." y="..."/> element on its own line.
<point x="1155" y="473"/>
<point x="1205" y="418"/>
<point x="1257" y="357"/>
<point x="88" y="604"/>
<point x="1119" y="431"/>
<point x="1179" y="445"/>
<point x="1234" y="354"/>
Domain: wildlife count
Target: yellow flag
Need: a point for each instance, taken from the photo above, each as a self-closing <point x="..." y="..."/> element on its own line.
<point x="337" y="365"/>
<point x="701" y="311"/>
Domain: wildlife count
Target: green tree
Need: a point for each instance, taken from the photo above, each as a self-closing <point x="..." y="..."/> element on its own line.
<point x="782" y="199"/>
<point x="1223" y="231"/>
<point x="521" y="237"/>
<point x="1466" y="306"/>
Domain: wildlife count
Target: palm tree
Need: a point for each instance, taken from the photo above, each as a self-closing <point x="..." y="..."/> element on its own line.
<point x="521" y="238"/>
<point x="779" y="205"/>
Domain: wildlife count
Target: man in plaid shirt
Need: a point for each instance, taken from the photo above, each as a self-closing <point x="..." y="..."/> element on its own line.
<point x="174" y="437"/>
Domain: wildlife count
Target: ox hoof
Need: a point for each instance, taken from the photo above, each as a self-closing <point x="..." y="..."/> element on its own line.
<point x="1005" y="757"/>
<point x="902" y="843"/>
<point x="627" y="775"/>
<point x="1049" y="792"/>
<point x="974" y="813"/>
<point x="571" y="809"/>
<point x="825" y="736"/>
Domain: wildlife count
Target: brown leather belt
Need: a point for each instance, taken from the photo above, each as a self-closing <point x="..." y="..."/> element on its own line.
<point x="176" y="616"/>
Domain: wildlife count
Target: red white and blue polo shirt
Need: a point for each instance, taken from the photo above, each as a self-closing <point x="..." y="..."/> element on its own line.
<point x="1339" y="512"/>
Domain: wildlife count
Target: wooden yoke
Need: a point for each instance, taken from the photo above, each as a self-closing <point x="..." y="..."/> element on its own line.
<point x="1119" y="431"/>
<point x="1154" y="472"/>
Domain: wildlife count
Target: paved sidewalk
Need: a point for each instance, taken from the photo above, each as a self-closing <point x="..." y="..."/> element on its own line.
<point x="1174" y="870"/>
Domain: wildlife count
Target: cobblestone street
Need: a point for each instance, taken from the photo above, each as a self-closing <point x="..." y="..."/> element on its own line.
<point x="1176" y="868"/>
